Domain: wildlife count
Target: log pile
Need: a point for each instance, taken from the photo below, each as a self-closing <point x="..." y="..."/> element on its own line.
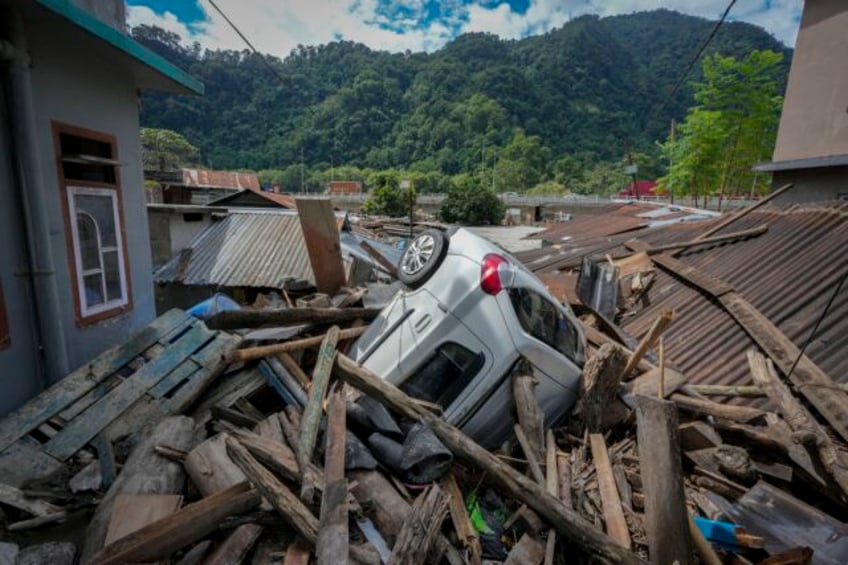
<point x="256" y="469"/>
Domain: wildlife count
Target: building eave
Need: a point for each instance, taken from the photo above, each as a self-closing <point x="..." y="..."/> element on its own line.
<point x="797" y="164"/>
<point x="164" y="76"/>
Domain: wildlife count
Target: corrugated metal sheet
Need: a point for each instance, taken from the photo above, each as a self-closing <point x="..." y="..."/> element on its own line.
<point x="789" y="273"/>
<point x="243" y="250"/>
<point x="204" y="178"/>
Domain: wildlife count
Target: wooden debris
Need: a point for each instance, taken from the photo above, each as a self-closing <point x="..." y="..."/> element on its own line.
<point x="705" y="550"/>
<point x="236" y="319"/>
<point x="37" y="522"/>
<point x="601" y="377"/>
<point x="533" y="463"/>
<point x="530" y="416"/>
<point x="528" y="551"/>
<point x="613" y="514"/>
<point x="421" y="527"/>
<point x="742" y="414"/>
<point x="131" y="512"/>
<point x="332" y="544"/>
<point x="297" y="553"/>
<point x="462" y="522"/>
<point x="666" y="519"/>
<point x="210" y="468"/>
<point x="145" y="472"/>
<point x="568" y="524"/>
<point x="321" y="235"/>
<point x="16" y="498"/>
<point x="237" y="545"/>
<point x="744" y="391"/>
<point x="647" y="343"/>
<point x="564" y="471"/>
<point x="161" y="538"/>
<point x="697" y="435"/>
<point x="195" y="555"/>
<point x="314" y="409"/>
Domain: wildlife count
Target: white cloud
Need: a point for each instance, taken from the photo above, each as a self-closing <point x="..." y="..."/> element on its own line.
<point x="277" y="27"/>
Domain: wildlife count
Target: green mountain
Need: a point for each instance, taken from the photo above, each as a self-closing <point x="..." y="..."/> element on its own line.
<point x="584" y="89"/>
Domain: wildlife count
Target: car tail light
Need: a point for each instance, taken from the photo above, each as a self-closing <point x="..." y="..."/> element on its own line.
<point x="490" y="273"/>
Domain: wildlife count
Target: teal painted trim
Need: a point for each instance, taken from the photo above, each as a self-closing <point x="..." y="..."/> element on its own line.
<point x="123" y="43"/>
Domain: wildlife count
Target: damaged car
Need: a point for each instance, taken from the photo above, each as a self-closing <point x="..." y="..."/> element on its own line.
<point x="469" y="317"/>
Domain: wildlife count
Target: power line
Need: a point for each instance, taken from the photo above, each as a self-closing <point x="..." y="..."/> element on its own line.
<point x="247" y="41"/>
<point x="694" y="59"/>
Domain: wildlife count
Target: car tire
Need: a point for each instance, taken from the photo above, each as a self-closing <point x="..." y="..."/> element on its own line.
<point x="422" y="257"/>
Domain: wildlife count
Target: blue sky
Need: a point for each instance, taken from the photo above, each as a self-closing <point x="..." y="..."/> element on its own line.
<point x="278" y="26"/>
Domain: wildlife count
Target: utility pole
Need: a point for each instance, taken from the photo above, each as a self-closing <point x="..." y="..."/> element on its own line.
<point x="671" y="163"/>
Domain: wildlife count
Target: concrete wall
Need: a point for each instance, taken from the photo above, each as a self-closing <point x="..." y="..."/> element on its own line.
<point x="814" y="122"/>
<point x="172" y="229"/>
<point x="812" y="185"/>
<point x="20" y="377"/>
<point x="80" y="88"/>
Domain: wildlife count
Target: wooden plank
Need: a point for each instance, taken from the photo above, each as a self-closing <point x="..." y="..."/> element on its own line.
<point x="243" y="383"/>
<point x="666" y="518"/>
<point x="601" y="378"/>
<point x="421" y="527"/>
<point x="647" y="342"/>
<point x="24" y="461"/>
<point x="333" y="525"/>
<point x="610" y="500"/>
<point x="79" y="382"/>
<point x="816" y="385"/>
<point x="530" y="416"/>
<point x="321" y="235"/>
<point x="569" y="524"/>
<point x="144" y="472"/>
<point x="462" y="522"/>
<point x="189" y="524"/>
<point x="297" y="553"/>
<point x="314" y="406"/>
<point x="528" y="551"/>
<point x="14" y="497"/>
<point x="210" y="468"/>
<point x="709" y="408"/>
<point x="78" y="432"/>
<point x="131" y="512"/>
<point x="174" y="378"/>
<point x="235" y="548"/>
<point x="254" y="353"/>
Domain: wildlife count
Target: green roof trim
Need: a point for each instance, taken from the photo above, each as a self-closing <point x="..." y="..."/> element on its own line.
<point x="122" y="42"/>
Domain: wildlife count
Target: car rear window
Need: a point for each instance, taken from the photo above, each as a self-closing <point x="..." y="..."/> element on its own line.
<point x="543" y="320"/>
<point x="444" y="374"/>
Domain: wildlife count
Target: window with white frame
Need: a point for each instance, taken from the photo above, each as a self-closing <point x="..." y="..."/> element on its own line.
<point x="95" y="225"/>
<point x="91" y="201"/>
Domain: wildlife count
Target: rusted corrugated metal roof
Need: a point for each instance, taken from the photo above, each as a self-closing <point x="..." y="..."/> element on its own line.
<point x="271" y="198"/>
<point x="789" y="274"/>
<point x="243" y="250"/>
<point x="204" y="178"/>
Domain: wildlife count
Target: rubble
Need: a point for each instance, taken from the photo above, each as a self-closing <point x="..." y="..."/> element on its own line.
<point x="191" y="444"/>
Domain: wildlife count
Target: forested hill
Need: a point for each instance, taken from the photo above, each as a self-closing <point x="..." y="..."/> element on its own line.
<point x="583" y="89"/>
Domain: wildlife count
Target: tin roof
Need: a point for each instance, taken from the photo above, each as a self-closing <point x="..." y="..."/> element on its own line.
<point x="204" y="178"/>
<point x="257" y="249"/>
<point x="789" y="273"/>
<point x="243" y="198"/>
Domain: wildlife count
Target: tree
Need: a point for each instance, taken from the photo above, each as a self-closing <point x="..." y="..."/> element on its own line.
<point x="469" y="201"/>
<point x="732" y="127"/>
<point x="166" y="150"/>
<point x="387" y="197"/>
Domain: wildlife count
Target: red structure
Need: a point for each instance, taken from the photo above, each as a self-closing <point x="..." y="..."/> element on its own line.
<point x="641" y="189"/>
<point x="344" y="187"/>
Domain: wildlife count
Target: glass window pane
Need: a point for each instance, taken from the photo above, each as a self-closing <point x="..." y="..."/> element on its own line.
<point x="444" y="375"/>
<point x="89" y="250"/>
<point x="93" y="285"/>
<point x="544" y="321"/>
<point x="112" y="272"/>
<point x="101" y="209"/>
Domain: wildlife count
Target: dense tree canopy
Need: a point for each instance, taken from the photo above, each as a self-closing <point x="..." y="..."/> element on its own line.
<point x="559" y="107"/>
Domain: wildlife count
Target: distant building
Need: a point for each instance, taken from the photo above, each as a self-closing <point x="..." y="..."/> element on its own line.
<point x="197" y="186"/>
<point x="75" y="268"/>
<point x="344" y="187"/>
<point x="812" y="141"/>
<point x="640" y="189"/>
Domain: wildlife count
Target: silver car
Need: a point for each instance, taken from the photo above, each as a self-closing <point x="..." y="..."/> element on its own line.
<point x="470" y="315"/>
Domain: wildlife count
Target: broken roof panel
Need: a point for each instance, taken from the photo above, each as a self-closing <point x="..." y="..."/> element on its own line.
<point x="256" y="249"/>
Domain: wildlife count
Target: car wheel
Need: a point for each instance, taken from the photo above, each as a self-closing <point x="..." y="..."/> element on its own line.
<point x="422" y="257"/>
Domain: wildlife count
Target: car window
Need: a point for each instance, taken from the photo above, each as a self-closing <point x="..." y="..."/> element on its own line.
<point x="444" y="374"/>
<point x="543" y="320"/>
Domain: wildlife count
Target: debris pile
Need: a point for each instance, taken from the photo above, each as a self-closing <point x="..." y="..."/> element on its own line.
<point x="253" y="437"/>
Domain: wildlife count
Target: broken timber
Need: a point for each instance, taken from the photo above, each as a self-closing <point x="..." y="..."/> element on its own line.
<point x="321" y="235"/>
<point x="613" y="514"/>
<point x="570" y="525"/>
<point x="332" y="545"/>
<point x="239" y="319"/>
<point x="816" y="385"/>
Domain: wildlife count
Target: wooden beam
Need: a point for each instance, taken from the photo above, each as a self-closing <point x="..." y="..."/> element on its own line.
<point x="533" y="463"/>
<point x="709" y="408"/>
<point x="611" y="502"/>
<point x="570" y="525"/>
<point x="798" y="418"/>
<point x="333" y="529"/>
<point x="390" y="267"/>
<point x="744" y="391"/>
<point x="601" y="377"/>
<point x="254" y="353"/>
<point x="131" y="512"/>
<point x="236" y="546"/>
<point x="530" y="416"/>
<point x="666" y="518"/>
<point x="462" y="522"/>
<point x="321" y="235"/>
<point x="313" y="410"/>
<point x="240" y="319"/>
<point x="647" y="342"/>
<point x="816" y="385"/>
<point x="189" y="524"/>
<point x="12" y="496"/>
